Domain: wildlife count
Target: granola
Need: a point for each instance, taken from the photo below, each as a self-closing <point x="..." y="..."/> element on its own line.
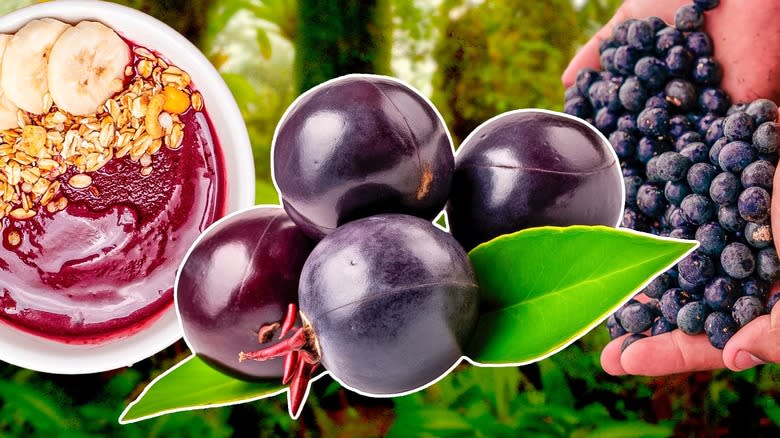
<point x="135" y="123"/>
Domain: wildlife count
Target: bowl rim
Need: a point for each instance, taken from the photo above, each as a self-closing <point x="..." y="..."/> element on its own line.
<point x="44" y="355"/>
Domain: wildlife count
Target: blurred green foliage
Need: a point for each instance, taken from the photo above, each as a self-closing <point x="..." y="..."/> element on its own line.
<point x="500" y="56"/>
<point x="476" y="59"/>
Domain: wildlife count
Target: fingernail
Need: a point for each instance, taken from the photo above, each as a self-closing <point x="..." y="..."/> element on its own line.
<point x="744" y="360"/>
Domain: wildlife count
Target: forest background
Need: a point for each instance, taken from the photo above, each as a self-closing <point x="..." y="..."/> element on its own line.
<point x="475" y="59"/>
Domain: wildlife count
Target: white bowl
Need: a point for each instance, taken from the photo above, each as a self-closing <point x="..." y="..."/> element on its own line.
<point x="44" y="355"/>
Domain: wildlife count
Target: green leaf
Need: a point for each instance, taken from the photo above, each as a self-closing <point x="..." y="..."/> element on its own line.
<point x="29" y="403"/>
<point x="771" y="408"/>
<point x="430" y="421"/>
<point x="264" y="43"/>
<point x="543" y="288"/>
<point x="556" y="388"/>
<point x="631" y="429"/>
<point x="192" y="384"/>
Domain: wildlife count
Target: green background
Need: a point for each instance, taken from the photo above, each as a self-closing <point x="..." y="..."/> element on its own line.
<point x="474" y="59"/>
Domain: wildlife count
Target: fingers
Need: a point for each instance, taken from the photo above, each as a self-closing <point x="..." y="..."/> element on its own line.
<point x="774" y="217"/>
<point x="754" y="344"/>
<point x="588" y="55"/>
<point x="669" y="353"/>
<point x="610" y="358"/>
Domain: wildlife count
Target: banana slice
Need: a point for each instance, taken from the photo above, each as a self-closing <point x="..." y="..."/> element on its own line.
<point x="23" y="77"/>
<point x="7" y="108"/>
<point x="86" y="67"/>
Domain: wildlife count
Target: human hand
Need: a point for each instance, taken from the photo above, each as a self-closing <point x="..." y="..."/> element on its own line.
<point x="745" y="34"/>
<point x="675" y="352"/>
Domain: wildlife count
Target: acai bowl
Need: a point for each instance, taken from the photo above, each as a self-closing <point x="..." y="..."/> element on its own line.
<point x="126" y="145"/>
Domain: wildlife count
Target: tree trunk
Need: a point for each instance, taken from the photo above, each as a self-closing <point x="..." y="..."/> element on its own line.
<point x="337" y="38"/>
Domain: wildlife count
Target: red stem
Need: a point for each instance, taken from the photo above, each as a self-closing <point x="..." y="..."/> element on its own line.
<point x="289" y="320"/>
<point x="290" y="363"/>
<point x="293" y="343"/>
<point x="298" y="386"/>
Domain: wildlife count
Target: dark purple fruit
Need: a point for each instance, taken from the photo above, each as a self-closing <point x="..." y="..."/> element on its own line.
<point x="388" y="302"/>
<point x="361" y="145"/>
<point x="239" y="276"/>
<point x="392" y="300"/>
<point x="533" y="168"/>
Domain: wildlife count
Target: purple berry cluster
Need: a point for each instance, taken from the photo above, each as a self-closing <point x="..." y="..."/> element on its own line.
<point x="695" y="166"/>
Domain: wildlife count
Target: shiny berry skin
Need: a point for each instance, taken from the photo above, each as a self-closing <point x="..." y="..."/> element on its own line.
<point x="241" y="274"/>
<point x="767" y="264"/>
<point x="759" y="174"/>
<point x="667" y="38"/>
<point x="700" y="177"/>
<point x="681" y="94"/>
<point x="658" y="286"/>
<point x="630" y="339"/>
<point x="729" y="218"/>
<point x="392" y="300"/>
<point x="736" y="155"/>
<point x="753" y="204"/>
<point x="739" y="126"/>
<point x="613" y="326"/>
<point x="690" y="318"/>
<point x="746" y="309"/>
<point x="762" y="111"/>
<point x="678" y="61"/>
<point x="672" y="166"/>
<point x="767" y="137"/>
<point x="720" y="327"/>
<point x="697" y="209"/>
<point x="737" y="260"/>
<point x="697" y="152"/>
<point x="360" y="145"/>
<point x="632" y="94"/>
<point x="688" y="18"/>
<point x="661" y="326"/>
<point x="672" y="301"/>
<point x="532" y="168"/>
<point x="756" y="288"/>
<point x="622" y="142"/>
<point x="651" y="71"/>
<point x="585" y="78"/>
<point x="675" y="192"/>
<point x="712" y="239"/>
<point x="636" y="318"/>
<point x="706" y="5"/>
<point x="697" y="269"/>
<point x="707" y="71"/>
<point x="699" y="43"/>
<point x="725" y="188"/>
<point x="721" y="293"/>
<point x="653" y="122"/>
<point x="641" y="35"/>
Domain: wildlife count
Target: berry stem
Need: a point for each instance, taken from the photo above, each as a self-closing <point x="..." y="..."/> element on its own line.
<point x="289" y="320"/>
<point x="290" y="363"/>
<point x="298" y="386"/>
<point x="300" y="351"/>
<point x="293" y="343"/>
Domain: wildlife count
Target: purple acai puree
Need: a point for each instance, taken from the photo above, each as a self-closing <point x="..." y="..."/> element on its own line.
<point x="105" y="266"/>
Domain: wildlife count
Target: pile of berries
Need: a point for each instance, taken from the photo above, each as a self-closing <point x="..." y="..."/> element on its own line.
<point x="694" y="166"/>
